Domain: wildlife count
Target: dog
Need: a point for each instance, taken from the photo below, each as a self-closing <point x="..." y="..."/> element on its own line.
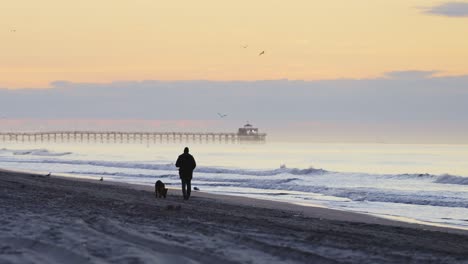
<point x="160" y="189"/>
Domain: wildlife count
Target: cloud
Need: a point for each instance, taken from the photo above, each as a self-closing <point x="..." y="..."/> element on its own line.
<point x="408" y="75"/>
<point x="417" y="105"/>
<point x="450" y="9"/>
<point x="400" y="97"/>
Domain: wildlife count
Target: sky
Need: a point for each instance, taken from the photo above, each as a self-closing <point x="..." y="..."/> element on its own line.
<point x="352" y="55"/>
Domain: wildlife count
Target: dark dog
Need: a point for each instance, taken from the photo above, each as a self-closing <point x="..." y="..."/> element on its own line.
<point x="160" y="189"/>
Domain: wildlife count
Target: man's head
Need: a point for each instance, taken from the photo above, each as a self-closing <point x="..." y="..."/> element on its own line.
<point x="186" y="150"/>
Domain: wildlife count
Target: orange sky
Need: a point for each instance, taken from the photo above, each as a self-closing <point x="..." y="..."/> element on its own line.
<point x="109" y="40"/>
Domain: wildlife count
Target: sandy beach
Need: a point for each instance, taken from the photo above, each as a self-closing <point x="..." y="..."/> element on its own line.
<point x="66" y="220"/>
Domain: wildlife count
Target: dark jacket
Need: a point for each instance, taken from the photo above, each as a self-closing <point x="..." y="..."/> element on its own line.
<point x="186" y="164"/>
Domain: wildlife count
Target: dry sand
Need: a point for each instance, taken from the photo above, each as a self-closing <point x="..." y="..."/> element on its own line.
<point x="62" y="220"/>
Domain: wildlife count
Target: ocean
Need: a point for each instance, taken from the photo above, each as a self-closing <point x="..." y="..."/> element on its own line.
<point x="418" y="183"/>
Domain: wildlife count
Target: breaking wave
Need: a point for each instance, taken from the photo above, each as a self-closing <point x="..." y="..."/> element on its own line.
<point x="35" y="152"/>
<point x="310" y="180"/>
<point x="450" y="179"/>
<point x="171" y="167"/>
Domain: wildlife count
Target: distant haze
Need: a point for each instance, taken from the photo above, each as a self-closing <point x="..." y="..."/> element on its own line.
<point x="326" y="70"/>
<point x="411" y="106"/>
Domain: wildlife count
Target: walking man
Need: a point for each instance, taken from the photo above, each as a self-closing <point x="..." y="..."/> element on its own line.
<point x="186" y="164"/>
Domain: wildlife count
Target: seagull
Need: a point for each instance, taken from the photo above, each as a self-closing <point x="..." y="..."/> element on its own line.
<point x="261" y="53"/>
<point x="101" y="179"/>
<point x="48" y="175"/>
<point x="245" y="46"/>
<point x="222" y="115"/>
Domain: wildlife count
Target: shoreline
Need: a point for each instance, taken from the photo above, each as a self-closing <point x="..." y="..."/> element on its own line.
<point x="308" y="210"/>
<point x="60" y="219"/>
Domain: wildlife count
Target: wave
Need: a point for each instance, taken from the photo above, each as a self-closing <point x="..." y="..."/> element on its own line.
<point x="286" y="179"/>
<point x="450" y="179"/>
<point x="35" y="152"/>
<point x="411" y="176"/>
<point x="399" y="197"/>
<point x="309" y="171"/>
<point x="171" y="167"/>
<point x="440" y="179"/>
<point x="357" y="194"/>
<point x="128" y="175"/>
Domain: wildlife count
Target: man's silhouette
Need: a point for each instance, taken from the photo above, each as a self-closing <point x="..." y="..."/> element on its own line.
<point x="186" y="164"/>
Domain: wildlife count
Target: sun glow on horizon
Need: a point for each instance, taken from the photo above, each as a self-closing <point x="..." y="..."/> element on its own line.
<point x="89" y="41"/>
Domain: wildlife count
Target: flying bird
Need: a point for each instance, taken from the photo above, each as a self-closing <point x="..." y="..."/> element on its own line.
<point x="222" y="115"/>
<point x="261" y="53"/>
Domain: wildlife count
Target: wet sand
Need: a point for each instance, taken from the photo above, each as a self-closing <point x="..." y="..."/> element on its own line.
<point x="64" y="220"/>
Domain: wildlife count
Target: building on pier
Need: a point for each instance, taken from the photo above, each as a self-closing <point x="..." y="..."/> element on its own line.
<point x="248" y="133"/>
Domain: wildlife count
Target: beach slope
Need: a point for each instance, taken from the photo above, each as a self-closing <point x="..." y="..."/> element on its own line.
<point x="58" y="220"/>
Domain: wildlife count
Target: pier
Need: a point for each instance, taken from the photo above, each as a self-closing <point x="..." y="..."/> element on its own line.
<point x="129" y="137"/>
<point x="248" y="134"/>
